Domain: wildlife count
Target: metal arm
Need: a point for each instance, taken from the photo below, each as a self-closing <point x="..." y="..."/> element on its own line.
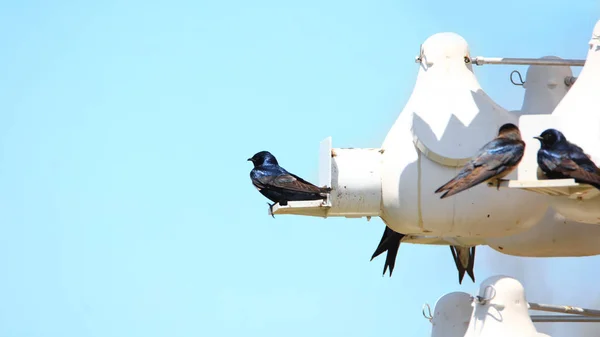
<point x="563" y="319"/>
<point x="565" y="309"/>
<point x="480" y="60"/>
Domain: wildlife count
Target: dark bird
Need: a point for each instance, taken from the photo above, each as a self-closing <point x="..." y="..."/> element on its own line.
<point x="495" y="160"/>
<point x="560" y="159"/>
<point x="390" y="242"/>
<point x="279" y="185"/>
<point x="464" y="258"/>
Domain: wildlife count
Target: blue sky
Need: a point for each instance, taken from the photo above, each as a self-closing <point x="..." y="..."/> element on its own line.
<point x="125" y="202"/>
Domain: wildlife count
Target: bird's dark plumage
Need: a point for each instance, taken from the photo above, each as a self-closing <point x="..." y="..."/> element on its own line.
<point x="464" y="258"/>
<point x="560" y="159"/>
<point x="390" y="242"/>
<point x="279" y="185"/>
<point x="495" y="160"/>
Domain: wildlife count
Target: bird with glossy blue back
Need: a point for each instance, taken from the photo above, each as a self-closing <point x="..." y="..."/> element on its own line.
<point x="279" y="185"/>
<point x="560" y="159"/>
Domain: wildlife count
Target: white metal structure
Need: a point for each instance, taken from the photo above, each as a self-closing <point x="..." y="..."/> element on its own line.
<point x="500" y="309"/>
<point x="446" y="120"/>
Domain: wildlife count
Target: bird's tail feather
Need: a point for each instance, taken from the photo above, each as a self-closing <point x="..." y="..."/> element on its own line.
<point x="447" y="185"/>
<point x="390" y="242"/>
<point x="325" y="189"/>
<point x="472" y="179"/>
<point x="470" y="268"/>
<point x="459" y="266"/>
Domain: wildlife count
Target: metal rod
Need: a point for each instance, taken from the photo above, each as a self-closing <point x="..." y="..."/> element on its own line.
<point x="565" y="309"/>
<point x="563" y="319"/>
<point x="480" y="60"/>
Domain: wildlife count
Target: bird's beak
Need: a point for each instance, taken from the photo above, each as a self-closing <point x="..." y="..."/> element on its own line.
<point x="538" y="137"/>
<point x="249" y="159"/>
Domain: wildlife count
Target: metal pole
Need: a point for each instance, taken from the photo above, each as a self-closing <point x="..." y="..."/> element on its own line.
<point x="566" y="309"/>
<point x="480" y="60"/>
<point x="563" y="319"/>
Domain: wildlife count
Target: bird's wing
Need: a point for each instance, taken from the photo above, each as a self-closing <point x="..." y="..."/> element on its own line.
<point x="574" y="149"/>
<point x="321" y="189"/>
<point x="584" y="160"/>
<point x="468" y="179"/>
<point x="571" y="169"/>
<point x="492" y="160"/>
<point x="549" y="160"/>
<point x="503" y="152"/>
<point x="288" y="182"/>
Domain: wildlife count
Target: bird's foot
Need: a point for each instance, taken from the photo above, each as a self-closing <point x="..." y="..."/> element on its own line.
<point x="500" y="181"/>
<point x="271" y="209"/>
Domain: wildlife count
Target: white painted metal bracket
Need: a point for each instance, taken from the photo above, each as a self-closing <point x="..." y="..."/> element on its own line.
<point x="317" y="208"/>
<point x="555" y="187"/>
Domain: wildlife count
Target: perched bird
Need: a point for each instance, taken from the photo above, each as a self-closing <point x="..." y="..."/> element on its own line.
<point x="495" y="160"/>
<point x="390" y="242"/>
<point x="560" y="159"/>
<point x="464" y="257"/>
<point x="279" y="185"/>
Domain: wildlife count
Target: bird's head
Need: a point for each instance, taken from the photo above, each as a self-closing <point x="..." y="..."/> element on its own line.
<point x="509" y="130"/>
<point x="263" y="157"/>
<point x="550" y="137"/>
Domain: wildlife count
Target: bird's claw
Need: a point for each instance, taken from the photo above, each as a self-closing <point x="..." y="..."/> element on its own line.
<point x="271" y="209"/>
<point x="498" y="183"/>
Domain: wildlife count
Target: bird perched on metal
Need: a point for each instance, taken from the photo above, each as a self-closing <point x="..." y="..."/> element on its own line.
<point x="560" y="159"/>
<point x="279" y="185"/>
<point x="495" y="160"/>
<point x="464" y="258"/>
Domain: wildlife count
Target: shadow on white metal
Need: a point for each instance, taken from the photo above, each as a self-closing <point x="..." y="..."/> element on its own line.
<point x="451" y="315"/>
